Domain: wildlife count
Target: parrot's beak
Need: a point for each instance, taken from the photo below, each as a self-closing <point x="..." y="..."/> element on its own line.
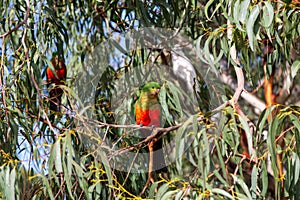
<point x="155" y="93"/>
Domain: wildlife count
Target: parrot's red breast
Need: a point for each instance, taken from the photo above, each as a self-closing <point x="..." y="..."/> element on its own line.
<point x="58" y="78"/>
<point x="61" y="74"/>
<point x="147" y="117"/>
<point x="60" y="70"/>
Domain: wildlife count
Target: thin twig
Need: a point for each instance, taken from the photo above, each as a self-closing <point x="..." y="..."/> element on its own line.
<point x="283" y="133"/>
<point x="132" y="163"/>
<point x="151" y="160"/>
<point x="240" y="77"/>
<point x="156" y="131"/>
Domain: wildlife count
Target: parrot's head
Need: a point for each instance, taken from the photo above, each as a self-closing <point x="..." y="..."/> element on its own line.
<point x="57" y="61"/>
<point x="151" y="89"/>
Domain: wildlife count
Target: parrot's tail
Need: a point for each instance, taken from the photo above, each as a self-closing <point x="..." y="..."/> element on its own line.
<point x="55" y="99"/>
<point x="159" y="164"/>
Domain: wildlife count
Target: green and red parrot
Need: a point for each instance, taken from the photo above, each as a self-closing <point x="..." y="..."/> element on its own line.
<point x="147" y="109"/>
<point x="148" y="113"/>
<point x="57" y="78"/>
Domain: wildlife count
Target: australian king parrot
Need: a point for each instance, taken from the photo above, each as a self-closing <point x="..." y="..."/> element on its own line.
<point x="57" y="76"/>
<point x="148" y="113"/>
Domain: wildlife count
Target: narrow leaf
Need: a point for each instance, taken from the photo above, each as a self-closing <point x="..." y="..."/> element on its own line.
<point x="296" y="168"/>
<point x="168" y="195"/>
<point x="248" y="133"/>
<point x="294" y="68"/>
<point x="268" y="14"/>
<point x="162" y="190"/>
<point x="244" y="6"/>
<point x="208" y="4"/>
<point x="57" y="158"/>
<point x="243" y="186"/>
<point x="254" y="181"/>
<point x="264" y="179"/>
<point x="250" y="25"/>
<point x="222" y="192"/>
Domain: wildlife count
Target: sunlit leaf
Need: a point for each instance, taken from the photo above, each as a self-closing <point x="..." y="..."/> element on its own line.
<point x="294" y="68"/>
<point x="168" y="195"/>
<point x="248" y="133"/>
<point x="179" y="195"/>
<point x="250" y="25"/>
<point x="268" y="14"/>
<point x="222" y="192"/>
<point x="244" y="6"/>
<point x="57" y="156"/>
<point x="296" y="163"/>
<point x="243" y="186"/>
<point x="162" y="191"/>
<point x="254" y="178"/>
<point x="207" y="5"/>
<point x="264" y="180"/>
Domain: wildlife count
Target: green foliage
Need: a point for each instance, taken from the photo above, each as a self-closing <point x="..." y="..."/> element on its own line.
<point x="80" y="153"/>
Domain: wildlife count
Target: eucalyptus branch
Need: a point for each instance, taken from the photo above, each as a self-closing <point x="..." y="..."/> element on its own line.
<point x="233" y="54"/>
<point x="156" y="133"/>
<point x="20" y="24"/>
<point x="181" y="23"/>
<point x="3" y="36"/>
<point x="248" y="97"/>
<point x="239" y="75"/>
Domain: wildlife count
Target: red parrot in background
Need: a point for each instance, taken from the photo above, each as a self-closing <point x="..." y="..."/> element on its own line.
<point x="148" y="113"/>
<point x="57" y="78"/>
